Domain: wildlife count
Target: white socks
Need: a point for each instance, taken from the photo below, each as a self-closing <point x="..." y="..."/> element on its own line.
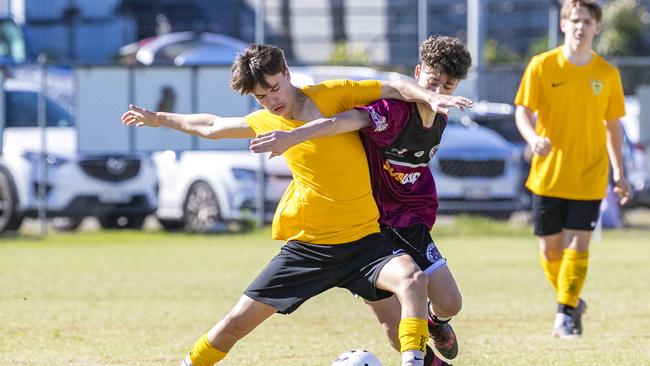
<point x="412" y="358"/>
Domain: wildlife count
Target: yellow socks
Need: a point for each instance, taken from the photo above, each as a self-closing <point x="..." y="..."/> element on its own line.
<point x="571" y="277"/>
<point x="551" y="269"/>
<point x="203" y="354"/>
<point x="413" y="334"/>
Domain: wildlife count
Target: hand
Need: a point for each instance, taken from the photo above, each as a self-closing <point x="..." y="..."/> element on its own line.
<point x="541" y="146"/>
<point x="440" y="103"/>
<point x="622" y="189"/>
<point x="276" y="142"/>
<point x="139" y="117"/>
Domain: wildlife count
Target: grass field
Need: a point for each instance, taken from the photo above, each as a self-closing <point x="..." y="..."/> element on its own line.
<point x="142" y="298"/>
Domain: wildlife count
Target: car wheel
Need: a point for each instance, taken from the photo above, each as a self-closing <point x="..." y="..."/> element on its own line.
<point x="201" y="210"/>
<point x="67" y="223"/>
<point x="122" y="221"/>
<point x="10" y="220"/>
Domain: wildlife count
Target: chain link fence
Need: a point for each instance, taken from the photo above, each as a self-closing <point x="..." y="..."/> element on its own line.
<point x="95" y="167"/>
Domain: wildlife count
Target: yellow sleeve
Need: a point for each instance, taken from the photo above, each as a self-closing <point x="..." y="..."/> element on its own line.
<point x="529" y="88"/>
<point x="256" y="121"/>
<point x="336" y="96"/>
<point x="616" y="105"/>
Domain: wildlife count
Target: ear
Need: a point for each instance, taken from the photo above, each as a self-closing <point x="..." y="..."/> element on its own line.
<point x="563" y="25"/>
<point x="418" y="69"/>
<point x="597" y="27"/>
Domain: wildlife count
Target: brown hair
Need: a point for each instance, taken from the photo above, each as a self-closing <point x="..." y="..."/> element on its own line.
<point x="446" y="54"/>
<point x="250" y="67"/>
<point x="592" y="6"/>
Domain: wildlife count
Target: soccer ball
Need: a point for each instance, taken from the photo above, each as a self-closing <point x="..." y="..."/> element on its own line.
<point x="356" y="357"/>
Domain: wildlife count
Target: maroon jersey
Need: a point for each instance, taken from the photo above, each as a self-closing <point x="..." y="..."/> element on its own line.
<point x="399" y="148"/>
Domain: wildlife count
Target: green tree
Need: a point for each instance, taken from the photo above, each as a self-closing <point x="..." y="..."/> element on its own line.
<point x="344" y="55"/>
<point x="497" y="53"/>
<point x="623" y="29"/>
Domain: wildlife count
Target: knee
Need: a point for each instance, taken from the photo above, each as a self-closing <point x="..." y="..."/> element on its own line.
<point x="448" y="306"/>
<point x="417" y="282"/>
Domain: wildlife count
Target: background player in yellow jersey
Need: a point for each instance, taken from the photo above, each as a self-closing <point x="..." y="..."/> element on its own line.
<point x="578" y="99"/>
<point x="331" y="228"/>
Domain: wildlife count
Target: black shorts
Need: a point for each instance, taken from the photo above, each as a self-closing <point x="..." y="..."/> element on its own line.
<point x="416" y="241"/>
<point x="302" y="270"/>
<point x="551" y="214"/>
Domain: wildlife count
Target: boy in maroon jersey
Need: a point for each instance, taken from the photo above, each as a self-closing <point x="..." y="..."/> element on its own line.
<point x="400" y="138"/>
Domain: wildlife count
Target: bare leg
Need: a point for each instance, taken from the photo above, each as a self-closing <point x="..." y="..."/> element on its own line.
<point x="241" y="320"/>
<point x="444" y="295"/>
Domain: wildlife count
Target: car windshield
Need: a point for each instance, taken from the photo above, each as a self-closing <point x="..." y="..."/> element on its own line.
<point x="504" y="125"/>
<point x="21" y="111"/>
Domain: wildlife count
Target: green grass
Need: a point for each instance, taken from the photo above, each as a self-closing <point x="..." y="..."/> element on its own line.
<point x="142" y="298"/>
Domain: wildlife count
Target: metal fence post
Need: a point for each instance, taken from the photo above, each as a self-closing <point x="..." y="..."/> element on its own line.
<point x="42" y="157"/>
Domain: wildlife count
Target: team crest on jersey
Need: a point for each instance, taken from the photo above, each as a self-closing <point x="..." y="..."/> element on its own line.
<point x="596" y="87"/>
<point x="379" y="121"/>
<point x="433" y="151"/>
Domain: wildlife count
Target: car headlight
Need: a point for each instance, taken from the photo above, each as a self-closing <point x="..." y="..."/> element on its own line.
<point x="247" y="175"/>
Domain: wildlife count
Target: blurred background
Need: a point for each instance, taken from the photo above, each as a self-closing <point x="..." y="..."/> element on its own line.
<point x="71" y="68"/>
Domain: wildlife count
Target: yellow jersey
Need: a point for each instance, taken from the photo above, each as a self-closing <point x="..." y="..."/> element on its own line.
<point x="572" y="104"/>
<point x="329" y="200"/>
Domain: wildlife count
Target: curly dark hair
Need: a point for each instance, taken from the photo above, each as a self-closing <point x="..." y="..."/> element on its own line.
<point x="446" y="54"/>
<point x="250" y="67"/>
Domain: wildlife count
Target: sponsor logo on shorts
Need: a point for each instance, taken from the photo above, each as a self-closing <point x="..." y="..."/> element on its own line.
<point x="402" y="178"/>
<point x="418" y="154"/>
<point x="398" y="251"/>
<point x="592" y="224"/>
<point x="379" y="121"/>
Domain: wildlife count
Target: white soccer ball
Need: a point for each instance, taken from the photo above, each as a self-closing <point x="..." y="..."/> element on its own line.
<point x="356" y="357"/>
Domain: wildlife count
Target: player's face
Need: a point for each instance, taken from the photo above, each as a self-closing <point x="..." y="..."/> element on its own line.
<point x="432" y="79"/>
<point x="279" y="97"/>
<point x="579" y="27"/>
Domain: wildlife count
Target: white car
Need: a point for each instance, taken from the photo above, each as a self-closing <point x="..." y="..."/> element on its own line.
<point x="119" y="189"/>
<point x="204" y="191"/>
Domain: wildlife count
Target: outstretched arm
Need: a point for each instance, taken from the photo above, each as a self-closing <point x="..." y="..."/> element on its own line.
<point x="614" y="142"/>
<point x="277" y="142"/>
<point x="203" y="125"/>
<point x="411" y="92"/>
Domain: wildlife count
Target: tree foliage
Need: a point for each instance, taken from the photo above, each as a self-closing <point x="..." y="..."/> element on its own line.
<point x="623" y="29"/>
<point x="345" y="55"/>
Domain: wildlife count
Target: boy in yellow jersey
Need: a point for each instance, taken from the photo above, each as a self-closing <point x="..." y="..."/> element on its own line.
<point x="327" y="214"/>
<point x="400" y="139"/>
<point x="578" y="100"/>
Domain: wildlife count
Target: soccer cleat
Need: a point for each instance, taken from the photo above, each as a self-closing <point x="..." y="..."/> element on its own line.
<point x="566" y="329"/>
<point x="430" y="359"/>
<point x="577" y="315"/>
<point x="444" y="337"/>
<point x="186" y="361"/>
